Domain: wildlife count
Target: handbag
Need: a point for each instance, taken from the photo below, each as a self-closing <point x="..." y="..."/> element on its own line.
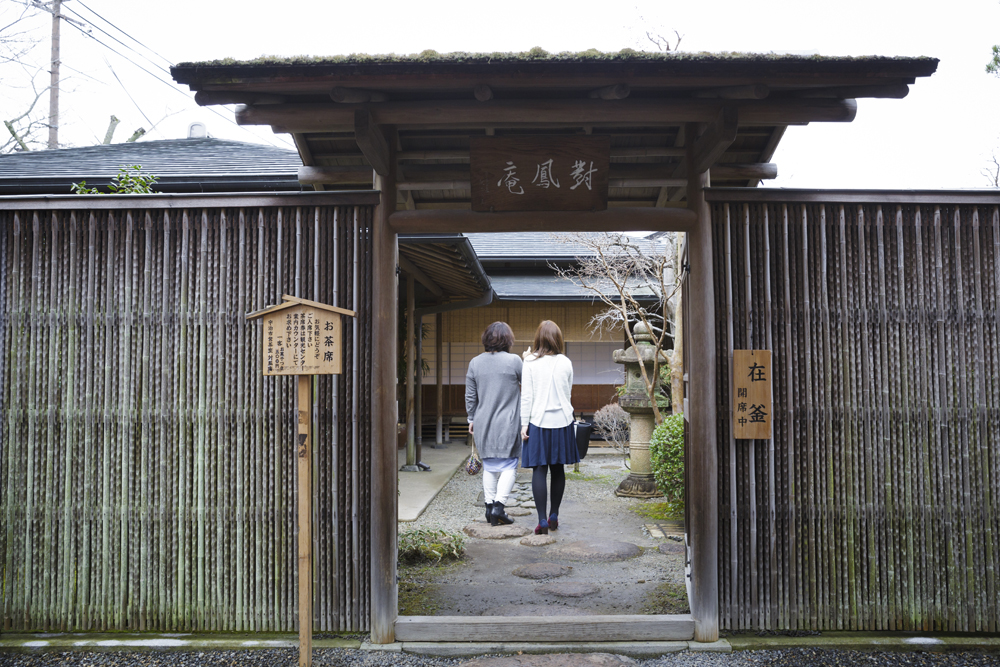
<point x="474" y="464"/>
<point x="583" y="430"/>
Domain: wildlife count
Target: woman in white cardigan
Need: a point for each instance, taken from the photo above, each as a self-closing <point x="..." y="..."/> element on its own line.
<point x="547" y="421"/>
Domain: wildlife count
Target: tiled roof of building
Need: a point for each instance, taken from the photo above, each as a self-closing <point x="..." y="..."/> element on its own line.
<point x="514" y="246"/>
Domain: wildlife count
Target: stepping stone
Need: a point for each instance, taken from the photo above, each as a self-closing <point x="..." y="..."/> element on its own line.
<point x="671" y="548"/>
<point x="593" y="550"/>
<point x="538" y="610"/>
<point x="553" y="660"/>
<point x="485" y="531"/>
<point x="541" y="570"/>
<point x="537" y="540"/>
<point x="569" y="589"/>
<point x="529" y="504"/>
<point x="518" y="511"/>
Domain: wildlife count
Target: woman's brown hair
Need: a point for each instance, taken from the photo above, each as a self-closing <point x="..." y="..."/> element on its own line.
<point x="498" y="337"/>
<point x="548" y="339"/>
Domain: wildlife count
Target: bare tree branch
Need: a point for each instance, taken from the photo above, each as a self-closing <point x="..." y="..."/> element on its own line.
<point x="992" y="171"/>
<point x="637" y="281"/>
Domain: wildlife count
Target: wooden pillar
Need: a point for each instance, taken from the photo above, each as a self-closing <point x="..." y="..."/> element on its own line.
<point x="418" y="392"/>
<point x="702" y="400"/>
<point x="384" y="600"/>
<point x="439" y="381"/>
<point x="411" y="441"/>
<point x="304" y="469"/>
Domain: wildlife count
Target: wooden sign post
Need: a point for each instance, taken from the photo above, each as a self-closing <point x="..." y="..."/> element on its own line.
<point x="752" y="394"/>
<point x="303" y="338"/>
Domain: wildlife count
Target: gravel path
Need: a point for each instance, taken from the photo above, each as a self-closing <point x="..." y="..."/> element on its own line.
<point x="356" y="658"/>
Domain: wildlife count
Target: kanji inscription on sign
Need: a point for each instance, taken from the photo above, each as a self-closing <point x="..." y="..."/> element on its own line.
<point x="539" y="173"/>
<point x="301" y="337"/>
<point x="752" y="394"/>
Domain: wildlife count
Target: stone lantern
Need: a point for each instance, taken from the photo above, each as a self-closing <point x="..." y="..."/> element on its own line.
<point x="635" y="401"/>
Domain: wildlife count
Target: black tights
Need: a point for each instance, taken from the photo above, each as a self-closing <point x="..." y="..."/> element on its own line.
<point x="539" y="491"/>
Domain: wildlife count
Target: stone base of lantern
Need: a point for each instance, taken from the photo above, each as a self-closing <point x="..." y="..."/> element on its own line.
<point x="638" y="486"/>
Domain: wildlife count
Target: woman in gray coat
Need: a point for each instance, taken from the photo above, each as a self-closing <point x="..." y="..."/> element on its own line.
<point x="493" y="403"/>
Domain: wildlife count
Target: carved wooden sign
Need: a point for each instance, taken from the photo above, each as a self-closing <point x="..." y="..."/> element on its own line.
<point x="540" y="173"/>
<point x="301" y="337"/>
<point x="752" y="394"/>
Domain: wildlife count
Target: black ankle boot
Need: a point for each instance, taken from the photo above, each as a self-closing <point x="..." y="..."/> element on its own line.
<point x="489" y="512"/>
<point x="499" y="517"/>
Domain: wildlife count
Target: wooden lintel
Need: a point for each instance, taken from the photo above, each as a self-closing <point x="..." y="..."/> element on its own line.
<point x="335" y="175"/>
<point x="757" y="91"/>
<point x="412" y="269"/>
<point x="462" y="155"/>
<point x="612" y="183"/>
<point x="619" y="91"/>
<point x="371" y="141"/>
<point x="482" y="92"/>
<point x="207" y="98"/>
<point x="356" y="95"/>
<point x="761" y="171"/>
<point x="894" y="92"/>
<point x="595" y="628"/>
<point x="714" y="141"/>
<point x="629" y="219"/>
<point x="319" y="117"/>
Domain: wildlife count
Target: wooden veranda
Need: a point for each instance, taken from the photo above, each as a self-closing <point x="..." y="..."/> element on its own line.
<point x="675" y="124"/>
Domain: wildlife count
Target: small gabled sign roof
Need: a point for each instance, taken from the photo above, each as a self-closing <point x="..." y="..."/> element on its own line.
<point x="289" y="301"/>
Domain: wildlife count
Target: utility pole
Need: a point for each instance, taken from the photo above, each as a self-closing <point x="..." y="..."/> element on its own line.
<point x="54" y="82"/>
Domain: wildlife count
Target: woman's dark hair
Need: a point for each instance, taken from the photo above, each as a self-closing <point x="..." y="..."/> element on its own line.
<point x="548" y="339"/>
<point x="498" y="337"/>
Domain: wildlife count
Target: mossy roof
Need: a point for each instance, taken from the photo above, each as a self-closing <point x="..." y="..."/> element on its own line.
<point x="538" y="54"/>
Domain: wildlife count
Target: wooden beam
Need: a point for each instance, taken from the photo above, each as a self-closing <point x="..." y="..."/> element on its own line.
<point x="207" y="98"/>
<point x="318" y="117"/>
<point x="612" y="220"/>
<point x="714" y="141"/>
<point x="612" y="183"/>
<point x="384" y="594"/>
<point x="482" y="92"/>
<point x="356" y="95"/>
<point x="702" y="474"/>
<point x="756" y="171"/>
<point x="462" y="155"/>
<point x="371" y="141"/>
<point x="335" y="176"/>
<point x="598" y="628"/>
<point x="757" y="91"/>
<point x="895" y="92"/>
<point x="411" y="269"/>
<point x="619" y="91"/>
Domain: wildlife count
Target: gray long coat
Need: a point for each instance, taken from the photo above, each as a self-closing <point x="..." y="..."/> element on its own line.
<point x="493" y="403"/>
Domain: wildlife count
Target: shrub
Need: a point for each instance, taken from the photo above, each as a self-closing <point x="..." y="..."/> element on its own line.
<point x="430" y="545"/>
<point x="125" y="183"/>
<point x="666" y="449"/>
<point x="612" y="423"/>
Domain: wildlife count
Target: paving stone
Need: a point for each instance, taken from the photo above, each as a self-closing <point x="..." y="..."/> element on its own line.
<point x="600" y="551"/>
<point x="541" y="570"/>
<point x="539" y="610"/>
<point x="569" y="589"/>
<point x="553" y="660"/>
<point x="485" y="531"/>
<point x="671" y="548"/>
<point x="518" y="511"/>
<point x="537" y="540"/>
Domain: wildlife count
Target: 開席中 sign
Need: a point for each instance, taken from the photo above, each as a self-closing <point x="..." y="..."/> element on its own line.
<point x="751" y="394"/>
<point x="539" y="173"/>
<point x="301" y="337"/>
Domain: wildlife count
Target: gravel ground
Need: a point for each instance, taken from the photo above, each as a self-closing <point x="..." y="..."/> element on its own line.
<point x="356" y="658"/>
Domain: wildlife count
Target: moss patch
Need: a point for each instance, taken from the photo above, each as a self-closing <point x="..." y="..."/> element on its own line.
<point x="667" y="598"/>
<point x="417" y="587"/>
<point x="660" y="511"/>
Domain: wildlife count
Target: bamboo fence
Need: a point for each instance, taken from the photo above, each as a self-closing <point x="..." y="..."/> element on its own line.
<point x="146" y="465"/>
<point x="875" y="504"/>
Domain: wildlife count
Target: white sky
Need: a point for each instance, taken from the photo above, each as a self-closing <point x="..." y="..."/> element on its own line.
<point x="940" y="136"/>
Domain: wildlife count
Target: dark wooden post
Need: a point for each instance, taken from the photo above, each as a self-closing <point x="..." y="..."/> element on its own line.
<point x="438" y="372"/>
<point x="418" y="392"/>
<point x="411" y="441"/>
<point x="384" y="600"/>
<point x="702" y="399"/>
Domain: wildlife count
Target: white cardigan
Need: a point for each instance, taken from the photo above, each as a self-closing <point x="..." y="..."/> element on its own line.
<point x="539" y="376"/>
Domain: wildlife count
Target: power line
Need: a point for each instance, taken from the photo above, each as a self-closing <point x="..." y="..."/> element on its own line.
<point x="141" y="55"/>
<point x="166" y="60"/>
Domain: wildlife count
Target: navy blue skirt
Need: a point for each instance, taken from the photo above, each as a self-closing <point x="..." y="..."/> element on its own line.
<point x="549" y="446"/>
